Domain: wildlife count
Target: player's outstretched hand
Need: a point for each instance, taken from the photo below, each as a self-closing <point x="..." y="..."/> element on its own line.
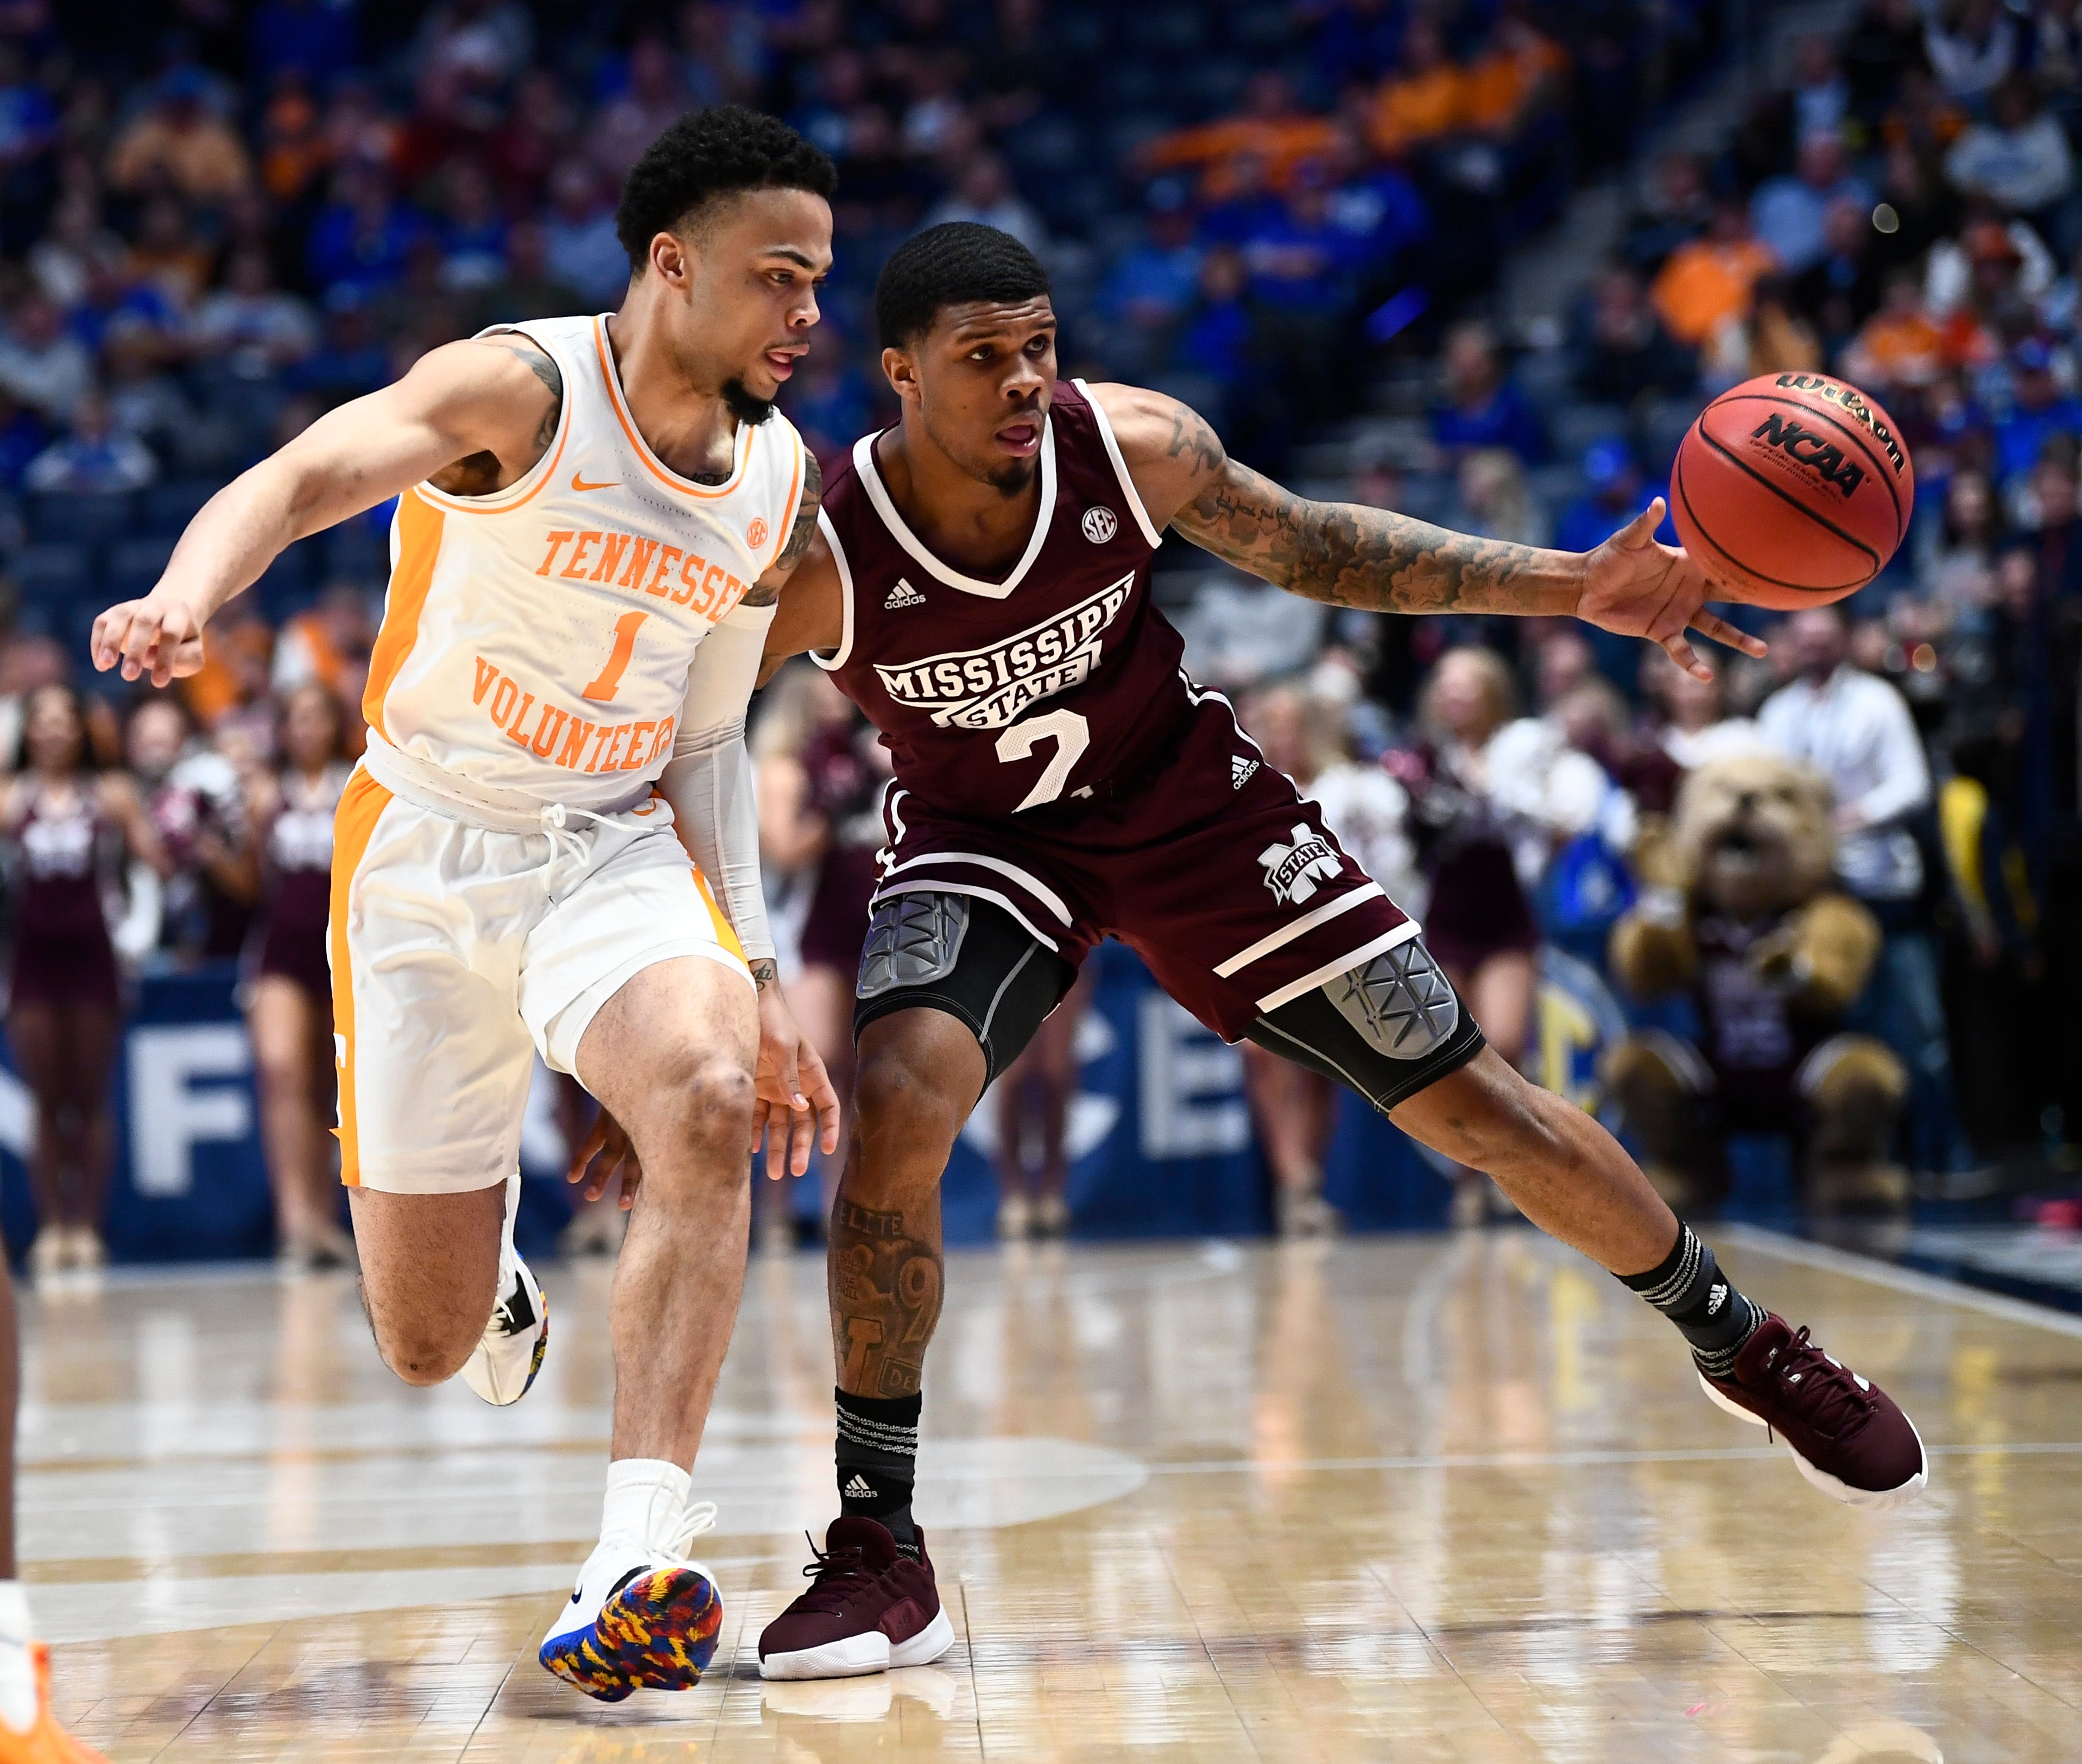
<point x="791" y="1077"/>
<point x="1638" y="587"/>
<point x="154" y="635"/>
<point x="607" y="1155"/>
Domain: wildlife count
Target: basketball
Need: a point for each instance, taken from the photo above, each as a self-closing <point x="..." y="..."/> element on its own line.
<point x="1792" y="489"/>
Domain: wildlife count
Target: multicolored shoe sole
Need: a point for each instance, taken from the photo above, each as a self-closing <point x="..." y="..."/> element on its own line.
<point x="657" y="1633"/>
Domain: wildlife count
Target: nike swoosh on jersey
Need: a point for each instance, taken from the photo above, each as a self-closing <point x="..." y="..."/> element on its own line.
<point x="578" y="483"/>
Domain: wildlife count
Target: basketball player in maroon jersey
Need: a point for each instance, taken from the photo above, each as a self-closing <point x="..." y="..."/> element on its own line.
<point x="980" y="590"/>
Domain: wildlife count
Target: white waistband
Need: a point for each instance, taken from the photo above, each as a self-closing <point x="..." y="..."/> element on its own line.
<point x="485" y="807"/>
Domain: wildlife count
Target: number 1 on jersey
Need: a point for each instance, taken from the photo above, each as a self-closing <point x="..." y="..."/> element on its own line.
<point x="1072" y="734"/>
<point x="625" y="646"/>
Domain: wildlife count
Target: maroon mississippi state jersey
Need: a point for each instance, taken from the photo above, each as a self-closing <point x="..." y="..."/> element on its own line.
<point x="997" y="697"/>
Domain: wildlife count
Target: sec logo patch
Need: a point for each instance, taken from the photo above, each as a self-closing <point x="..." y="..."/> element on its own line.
<point x="1100" y="524"/>
<point x="754" y="535"/>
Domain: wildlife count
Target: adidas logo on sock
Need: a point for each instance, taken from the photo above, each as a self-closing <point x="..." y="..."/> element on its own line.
<point x="857" y="1488"/>
<point x="1240" y="770"/>
<point x="903" y="594"/>
<point x="1715" y="1298"/>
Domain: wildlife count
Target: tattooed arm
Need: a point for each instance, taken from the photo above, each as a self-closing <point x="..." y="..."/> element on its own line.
<point x="1349" y="555"/>
<point x="767" y="589"/>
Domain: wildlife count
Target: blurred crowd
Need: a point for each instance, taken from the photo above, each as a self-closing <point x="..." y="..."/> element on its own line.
<point x="217" y="220"/>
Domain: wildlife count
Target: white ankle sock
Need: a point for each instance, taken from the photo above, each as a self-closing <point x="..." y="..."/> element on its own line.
<point x="18" y="1677"/>
<point x="645" y="1498"/>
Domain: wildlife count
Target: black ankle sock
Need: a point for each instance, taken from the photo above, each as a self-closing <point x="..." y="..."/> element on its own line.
<point x="878" y="1457"/>
<point x="1689" y="1288"/>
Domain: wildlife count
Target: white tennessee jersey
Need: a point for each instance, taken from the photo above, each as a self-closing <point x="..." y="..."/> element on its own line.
<point x="538" y="640"/>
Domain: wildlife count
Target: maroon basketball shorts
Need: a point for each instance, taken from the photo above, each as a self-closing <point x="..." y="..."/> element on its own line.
<point x="1214" y="870"/>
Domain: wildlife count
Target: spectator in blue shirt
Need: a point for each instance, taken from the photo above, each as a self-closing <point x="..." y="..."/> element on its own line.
<point x="2041" y="411"/>
<point x="1379" y="209"/>
<point x="1618" y="492"/>
<point x="1299" y="260"/>
<point x="110" y="299"/>
<point x="1219" y="337"/>
<point x="472" y="231"/>
<point x="350" y="359"/>
<point x="1249" y="207"/>
<point x="1787" y="214"/>
<point x="581" y="248"/>
<point x="1482" y="407"/>
<point x="361" y="238"/>
<point x="1152" y="283"/>
<point x="93" y="458"/>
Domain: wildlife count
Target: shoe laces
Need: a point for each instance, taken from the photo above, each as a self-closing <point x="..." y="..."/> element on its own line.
<point x="835" y="1576"/>
<point x="693" y="1520"/>
<point x="1831" y="1392"/>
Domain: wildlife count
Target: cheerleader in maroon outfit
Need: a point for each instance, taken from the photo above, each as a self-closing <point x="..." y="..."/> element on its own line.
<point x="69" y="832"/>
<point x="288" y="995"/>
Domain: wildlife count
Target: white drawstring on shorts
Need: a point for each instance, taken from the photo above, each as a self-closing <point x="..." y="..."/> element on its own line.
<point x="490" y="810"/>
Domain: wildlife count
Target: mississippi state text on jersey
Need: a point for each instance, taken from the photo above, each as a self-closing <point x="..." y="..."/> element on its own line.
<point x="998" y="697"/>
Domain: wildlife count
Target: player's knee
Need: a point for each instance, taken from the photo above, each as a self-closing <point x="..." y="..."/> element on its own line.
<point x="421" y="1350"/>
<point x="707" y="1104"/>
<point x="906" y="1115"/>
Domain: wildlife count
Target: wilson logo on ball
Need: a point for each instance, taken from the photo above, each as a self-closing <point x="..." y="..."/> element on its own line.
<point x="1805" y="447"/>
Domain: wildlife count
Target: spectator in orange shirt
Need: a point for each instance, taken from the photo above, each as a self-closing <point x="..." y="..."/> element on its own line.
<point x="1518" y="72"/>
<point x="1425" y="97"/>
<point x="1272" y="128"/>
<point x="1900" y="344"/>
<point x="179" y="142"/>
<point x="1709" y="282"/>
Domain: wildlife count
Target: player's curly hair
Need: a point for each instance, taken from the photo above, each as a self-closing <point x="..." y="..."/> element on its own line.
<point x="709" y="154"/>
<point x="949" y="265"/>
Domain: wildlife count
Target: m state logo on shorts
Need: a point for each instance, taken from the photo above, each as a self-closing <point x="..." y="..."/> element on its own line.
<point x="1100" y="524"/>
<point x="1292" y="872"/>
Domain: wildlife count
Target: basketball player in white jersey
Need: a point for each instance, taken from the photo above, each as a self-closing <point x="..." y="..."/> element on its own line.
<point x="594" y="518"/>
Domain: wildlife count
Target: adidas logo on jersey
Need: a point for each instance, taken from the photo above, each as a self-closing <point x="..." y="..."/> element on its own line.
<point x="857" y="1488"/>
<point x="903" y="595"/>
<point x="1240" y="771"/>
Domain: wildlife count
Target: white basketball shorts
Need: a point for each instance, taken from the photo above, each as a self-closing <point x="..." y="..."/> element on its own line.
<point x="457" y="953"/>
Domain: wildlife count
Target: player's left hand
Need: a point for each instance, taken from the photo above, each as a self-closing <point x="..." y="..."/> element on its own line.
<point x="791" y="1080"/>
<point x="606" y="1155"/>
<point x="1638" y="587"/>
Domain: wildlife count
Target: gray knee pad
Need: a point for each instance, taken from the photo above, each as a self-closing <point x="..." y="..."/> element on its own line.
<point x="1400" y="1002"/>
<point x="912" y="940"/>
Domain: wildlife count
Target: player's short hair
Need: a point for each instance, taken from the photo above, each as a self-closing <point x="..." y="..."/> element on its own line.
<point x="950" y="265"/>
<point x="707" y="154"/>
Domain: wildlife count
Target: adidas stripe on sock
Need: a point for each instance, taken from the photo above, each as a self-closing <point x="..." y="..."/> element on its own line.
<point x="1689" y="1288"/>
<point x="877" y="1458"/>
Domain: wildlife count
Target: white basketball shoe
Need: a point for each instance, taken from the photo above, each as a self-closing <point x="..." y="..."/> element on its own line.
<point x="504" y="1362"/>
<point x="644" y="1615"/>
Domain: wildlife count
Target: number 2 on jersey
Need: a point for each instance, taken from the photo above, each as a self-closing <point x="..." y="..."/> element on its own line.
<point x="1072" y="734"/>
<point x="625" y="646"/>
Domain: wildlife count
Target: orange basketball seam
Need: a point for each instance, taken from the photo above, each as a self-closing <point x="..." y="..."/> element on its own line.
<point x="1786" y="495"/>
<point x="1881" y="467"/>
<point x="1776" y="582"/>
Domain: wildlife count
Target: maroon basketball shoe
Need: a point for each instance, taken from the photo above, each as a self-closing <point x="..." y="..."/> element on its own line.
<point x="868" y="1607"/>
<point x="1845" y="1433"/>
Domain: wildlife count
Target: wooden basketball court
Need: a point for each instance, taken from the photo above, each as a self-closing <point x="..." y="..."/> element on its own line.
<point x="1416" y="1499"/>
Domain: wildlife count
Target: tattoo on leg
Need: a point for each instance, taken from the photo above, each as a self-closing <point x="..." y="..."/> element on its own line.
<point x="885" y="1289"/>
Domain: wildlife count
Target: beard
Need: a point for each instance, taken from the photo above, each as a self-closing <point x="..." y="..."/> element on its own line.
<point x="742" y="405"/>
<point x="1012" y="478"/>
